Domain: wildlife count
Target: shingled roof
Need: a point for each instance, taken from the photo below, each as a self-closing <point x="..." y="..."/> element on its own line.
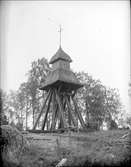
<point x="60" y="54"/>
<point x="58" y="76"/>
<point x="61" y="76"/>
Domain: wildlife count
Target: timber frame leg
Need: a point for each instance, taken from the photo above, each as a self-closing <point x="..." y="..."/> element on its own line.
<point x="59" y="104"/>
<point x="47" y="111"/>
<point x="44" y="104"/>
<point x="78" y="113"/>
<point x="61" y="110"/>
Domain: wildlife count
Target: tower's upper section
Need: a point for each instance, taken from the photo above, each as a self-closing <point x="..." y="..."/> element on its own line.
<point x="60" y="60"/>
<point x="60" y="55"/>
<point x="61" y="75"/>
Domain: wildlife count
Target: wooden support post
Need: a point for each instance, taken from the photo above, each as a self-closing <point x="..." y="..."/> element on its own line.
<point x="47" y="110"/>
<point x="61" y="124"/>
<point x="64" y="103"/>
<point x="42" y="109"/>
<point x="78" y="113"/>
<point x="56" y="116"/>
<point x="69" y="111"/>
<point x="54" y="110"/>
<point x="60" y="110"/>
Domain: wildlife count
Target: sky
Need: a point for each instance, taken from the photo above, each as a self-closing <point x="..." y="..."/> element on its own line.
<point x="96" y="35"/>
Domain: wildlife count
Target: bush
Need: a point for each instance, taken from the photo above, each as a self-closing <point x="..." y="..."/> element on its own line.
<point x="13" y="145"/>
<point x="113" y="125"/>
<point x="92" y="126"/>
<point x="4" y="120"/>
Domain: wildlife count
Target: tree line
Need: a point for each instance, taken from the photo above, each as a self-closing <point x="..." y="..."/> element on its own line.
<point x="96" y="102"/>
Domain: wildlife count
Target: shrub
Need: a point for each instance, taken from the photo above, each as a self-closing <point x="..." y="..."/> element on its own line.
<point x="113" y="125"/>
<point x="13" y="145"/>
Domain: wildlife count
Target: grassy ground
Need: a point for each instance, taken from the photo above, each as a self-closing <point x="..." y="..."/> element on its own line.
<point x="80" y="149"/>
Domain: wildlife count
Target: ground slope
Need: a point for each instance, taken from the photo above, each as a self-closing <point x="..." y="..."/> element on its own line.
<point x="103" y="148"/>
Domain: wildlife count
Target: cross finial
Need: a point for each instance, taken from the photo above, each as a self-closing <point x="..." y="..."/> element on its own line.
<point x="60" y="29"/>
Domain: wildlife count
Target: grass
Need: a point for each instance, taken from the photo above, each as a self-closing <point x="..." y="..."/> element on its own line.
<point x="104" y="148"/>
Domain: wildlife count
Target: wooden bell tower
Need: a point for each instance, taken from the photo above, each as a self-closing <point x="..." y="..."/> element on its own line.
<point x="61" y="85"/>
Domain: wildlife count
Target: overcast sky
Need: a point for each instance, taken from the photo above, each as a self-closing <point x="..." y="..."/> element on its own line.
<point x="96" y="35"/>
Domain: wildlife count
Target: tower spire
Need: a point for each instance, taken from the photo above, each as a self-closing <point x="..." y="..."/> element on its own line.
<point x="60" y="30"/>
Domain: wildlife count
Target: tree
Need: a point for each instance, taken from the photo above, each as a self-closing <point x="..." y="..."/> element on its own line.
<point x="18" y="104"/>
<point x="3" y="117"/>
<point x="24" y="101"/>
<point x="36" y="77"/>
<point x="8" y="105"/>
<point x="91" y="96"/>
<point x="97" y="102"/>
<point x="112" y="102"/>
<point x="2" y="107"/>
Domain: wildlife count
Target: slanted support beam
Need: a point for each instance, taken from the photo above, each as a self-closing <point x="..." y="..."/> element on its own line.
<point x="78" y="113"/>
<point x="69" y="112"/>
<point x="56" y="117"/>
<point x="54" y="111"/>
<point x="46" y="113"/>
<point x="48" y="95"/>
<point x="69" y="115"/>
<point x="60" y="109"/>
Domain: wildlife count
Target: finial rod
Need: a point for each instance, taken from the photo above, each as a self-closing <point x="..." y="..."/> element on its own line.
<point x="60" y="30"/>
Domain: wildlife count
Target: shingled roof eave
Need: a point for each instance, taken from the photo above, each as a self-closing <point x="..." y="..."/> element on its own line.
<point x="59" y="77"/>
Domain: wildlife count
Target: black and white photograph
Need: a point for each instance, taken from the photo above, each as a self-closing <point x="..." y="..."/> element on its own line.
<point x="65" y="83"/>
